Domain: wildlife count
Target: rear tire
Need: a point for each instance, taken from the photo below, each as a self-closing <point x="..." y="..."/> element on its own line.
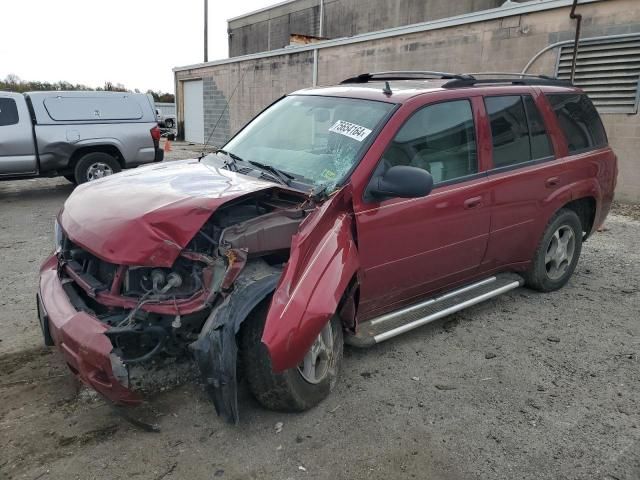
<point x="94" y="166"/>
<point x="288" y="391"/>
<point x="557" y="254"/>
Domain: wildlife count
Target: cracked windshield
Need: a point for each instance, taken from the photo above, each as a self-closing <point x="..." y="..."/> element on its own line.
<point x="313" y="140"/>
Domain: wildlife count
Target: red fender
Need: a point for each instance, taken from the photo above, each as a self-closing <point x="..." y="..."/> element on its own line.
<point x="323" y="260"/>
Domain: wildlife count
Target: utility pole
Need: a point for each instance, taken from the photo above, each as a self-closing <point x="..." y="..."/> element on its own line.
<point x="206" y="30"/>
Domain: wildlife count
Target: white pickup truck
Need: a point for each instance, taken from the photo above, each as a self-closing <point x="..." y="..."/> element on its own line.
<point x="82" y="136"/>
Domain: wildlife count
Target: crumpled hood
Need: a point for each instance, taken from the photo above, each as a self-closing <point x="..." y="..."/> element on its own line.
<point x="146" y="216"/>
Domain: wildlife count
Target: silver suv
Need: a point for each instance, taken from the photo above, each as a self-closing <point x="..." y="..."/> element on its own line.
<point x="82" y="136"/>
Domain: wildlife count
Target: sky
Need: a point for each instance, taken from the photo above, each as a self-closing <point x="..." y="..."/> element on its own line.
<point x="133" y="42"/>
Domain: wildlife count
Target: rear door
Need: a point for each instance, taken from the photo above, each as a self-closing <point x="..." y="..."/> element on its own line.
<point x="525" y="176"/>
<point x="17" y="148"/>
<point x="411" y="247"/>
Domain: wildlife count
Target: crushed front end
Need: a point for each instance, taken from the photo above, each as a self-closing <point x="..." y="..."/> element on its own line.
<point x="114" y="322"/>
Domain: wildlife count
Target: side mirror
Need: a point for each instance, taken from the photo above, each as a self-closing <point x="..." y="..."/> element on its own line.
<point x="402" y="181"/>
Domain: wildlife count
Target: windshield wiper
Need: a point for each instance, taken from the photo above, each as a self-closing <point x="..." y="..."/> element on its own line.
<point x="231" y="160"/>
<point x="283" y="176"/>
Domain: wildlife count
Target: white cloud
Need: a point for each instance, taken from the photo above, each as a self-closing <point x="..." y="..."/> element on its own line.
<point x="134" y="42"/>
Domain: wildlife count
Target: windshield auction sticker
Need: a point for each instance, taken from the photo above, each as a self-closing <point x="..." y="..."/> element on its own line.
<point x="350" y="130"/>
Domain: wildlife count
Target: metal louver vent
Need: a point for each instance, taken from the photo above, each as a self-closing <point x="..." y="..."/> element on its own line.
<point x="608" y="70"/>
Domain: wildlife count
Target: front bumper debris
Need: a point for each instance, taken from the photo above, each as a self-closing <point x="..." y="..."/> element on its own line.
<point x="80" y="338"/>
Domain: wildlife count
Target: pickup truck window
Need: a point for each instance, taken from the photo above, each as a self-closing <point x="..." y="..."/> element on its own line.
<point x="70" y="108"/>
<point x="579" y="120"/>
<point x="440" y="139"/>
<point x="8" y="112"/>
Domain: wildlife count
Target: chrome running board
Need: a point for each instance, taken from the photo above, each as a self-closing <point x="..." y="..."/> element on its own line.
<point x="396" y="323"/>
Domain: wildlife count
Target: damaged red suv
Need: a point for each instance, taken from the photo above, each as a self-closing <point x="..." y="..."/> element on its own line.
<point x="344" y="214"/>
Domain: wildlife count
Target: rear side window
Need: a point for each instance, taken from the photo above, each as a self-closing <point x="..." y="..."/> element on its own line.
<point x="8" y="112"/>
<point x="84" y="108"/>
<point x="579" y="121"/>
<point x="438" y="138"/>
<point x="517" y="130"/>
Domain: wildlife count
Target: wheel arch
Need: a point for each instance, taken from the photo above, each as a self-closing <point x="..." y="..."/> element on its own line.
<point x="585" y="208"/>
<point x="83" y="150"/>
<point x="216" y="349"/>
<point x="583" y="197"/>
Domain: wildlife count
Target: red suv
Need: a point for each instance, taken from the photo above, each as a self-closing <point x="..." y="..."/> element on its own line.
<point x="350" y="213"/>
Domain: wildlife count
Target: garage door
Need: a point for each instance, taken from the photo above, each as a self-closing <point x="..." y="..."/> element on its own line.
<point x="193" y="112"/>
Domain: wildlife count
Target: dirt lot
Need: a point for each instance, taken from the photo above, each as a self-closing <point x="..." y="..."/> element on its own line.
<point x="527" y="386"/>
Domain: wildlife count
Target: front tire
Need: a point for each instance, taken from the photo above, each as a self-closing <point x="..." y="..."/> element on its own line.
<point x="94" y="166"/>
<point x="299" y="388"/>
<point x="557" y="254"/>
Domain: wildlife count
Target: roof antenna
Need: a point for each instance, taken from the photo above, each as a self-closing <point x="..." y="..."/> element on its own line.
<point x="387" y="89"/>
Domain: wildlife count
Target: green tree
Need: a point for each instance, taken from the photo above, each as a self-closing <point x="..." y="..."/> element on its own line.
<point x="13" y="83"/>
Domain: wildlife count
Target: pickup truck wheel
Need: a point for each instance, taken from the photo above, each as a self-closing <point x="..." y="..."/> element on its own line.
<point x="94" y="166"/>
<point x="71" y="178"/>
<point x="299" y="388"/>
<point x="557" y="255"/>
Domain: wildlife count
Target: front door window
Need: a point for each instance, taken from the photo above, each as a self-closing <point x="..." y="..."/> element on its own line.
<point x="438" y="138"/>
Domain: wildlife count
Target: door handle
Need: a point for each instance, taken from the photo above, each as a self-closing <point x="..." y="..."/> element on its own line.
<point x="474" y="202"/>
<point x="552" y="182"/>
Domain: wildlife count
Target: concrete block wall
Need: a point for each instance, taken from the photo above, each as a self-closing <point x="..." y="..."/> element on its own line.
<point x="257" y="83"/>
<point x="217" y="128"/>
<point x="623" y="132"/>
<point x="505" y="44"/>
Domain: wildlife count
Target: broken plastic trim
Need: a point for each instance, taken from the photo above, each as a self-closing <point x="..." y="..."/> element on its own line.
<point x="216" y="350"/>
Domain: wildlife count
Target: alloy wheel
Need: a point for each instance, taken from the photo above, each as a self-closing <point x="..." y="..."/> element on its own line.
<point x="98" y="170"/>
<point x="317" y="362"/>
<point x="560" y="251"/>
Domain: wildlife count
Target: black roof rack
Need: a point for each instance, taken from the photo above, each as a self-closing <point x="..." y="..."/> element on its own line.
<point x="403" y="75"/>
<point x="503" y="77"/>
<point x="459" y="80"/>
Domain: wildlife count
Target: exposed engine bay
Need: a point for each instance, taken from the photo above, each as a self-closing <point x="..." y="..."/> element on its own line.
<point x="156" y="312"/>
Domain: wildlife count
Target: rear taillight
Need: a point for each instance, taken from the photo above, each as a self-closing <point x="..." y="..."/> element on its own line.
<point x="155" y="134"/>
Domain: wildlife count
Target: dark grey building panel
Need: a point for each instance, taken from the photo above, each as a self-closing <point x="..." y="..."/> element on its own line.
<point x="270" y="29"/>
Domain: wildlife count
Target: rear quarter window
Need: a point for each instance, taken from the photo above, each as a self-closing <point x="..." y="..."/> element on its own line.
<point x="8" y="112"/>
<point x="579" y="121"/>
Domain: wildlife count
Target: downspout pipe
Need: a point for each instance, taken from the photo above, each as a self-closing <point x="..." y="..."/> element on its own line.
<point x="315" y="50"/>
<point x="578" y="18"/>
<point x="320" y="28"/>
<point x="314" y="80"/>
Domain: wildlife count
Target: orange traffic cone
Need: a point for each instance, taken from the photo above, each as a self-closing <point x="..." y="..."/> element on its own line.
<point x="167" y="145"/>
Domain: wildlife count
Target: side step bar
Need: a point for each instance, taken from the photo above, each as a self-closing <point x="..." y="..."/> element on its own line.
<point x="395" y="323"/>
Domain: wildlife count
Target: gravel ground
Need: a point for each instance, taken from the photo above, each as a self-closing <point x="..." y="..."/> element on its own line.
<point x="526" y="386"/>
